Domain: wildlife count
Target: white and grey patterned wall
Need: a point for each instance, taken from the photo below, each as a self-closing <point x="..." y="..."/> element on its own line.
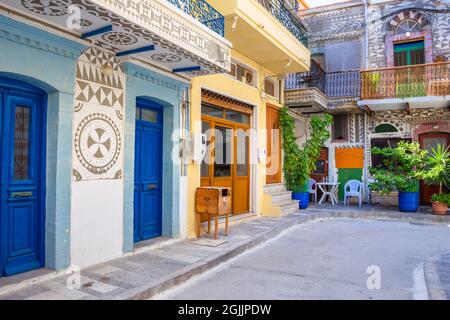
<point x="98" y="117"/>
<point x="403" y="121"/>
<point x="382" y="17"/>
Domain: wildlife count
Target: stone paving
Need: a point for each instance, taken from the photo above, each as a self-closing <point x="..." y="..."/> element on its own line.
<point x="443" y="269"/>
<point x="145" y="274"/>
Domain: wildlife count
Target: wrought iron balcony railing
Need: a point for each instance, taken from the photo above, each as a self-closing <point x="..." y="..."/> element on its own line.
<point x="314" y="78"/>
<point x="405" y="82"/>
<point x="203" y="12"/>
<point x="343" y="84"/>
<point x="284" y="15"/>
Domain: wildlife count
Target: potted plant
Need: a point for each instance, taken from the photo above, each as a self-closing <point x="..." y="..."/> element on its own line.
<point x="401" y="171"/>
<point x="299" y="163"/>
<point x="437" y="171"/>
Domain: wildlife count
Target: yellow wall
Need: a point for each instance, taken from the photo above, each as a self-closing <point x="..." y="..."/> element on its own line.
<point x="262" y="37"/>
<point x="227" y="85"/>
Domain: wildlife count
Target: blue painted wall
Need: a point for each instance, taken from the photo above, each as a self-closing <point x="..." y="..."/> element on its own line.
<point x="48" y="62"/>
<point x="143" y="83"/>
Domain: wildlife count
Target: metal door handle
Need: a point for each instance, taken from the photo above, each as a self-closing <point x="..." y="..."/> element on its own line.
<point x="22" y="194"/>
<point x="152" y="186"/>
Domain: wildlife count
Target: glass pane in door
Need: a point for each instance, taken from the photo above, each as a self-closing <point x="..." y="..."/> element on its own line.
<point x="22" y="143"/>
<point x="223" y="141"/>
<point x="242" y="153"/>
<point x="206" y="126"/>
<point x="429" y="143"/>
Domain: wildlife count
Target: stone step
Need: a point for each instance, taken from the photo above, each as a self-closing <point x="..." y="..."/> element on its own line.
<point x="288" y="206"/>
<point x="272" y="188"/>
<point x="280" y="196"/>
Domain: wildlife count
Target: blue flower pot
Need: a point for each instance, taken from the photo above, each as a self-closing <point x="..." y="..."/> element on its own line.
<point x="408" y="201"/>
<point x="303" y="197"/>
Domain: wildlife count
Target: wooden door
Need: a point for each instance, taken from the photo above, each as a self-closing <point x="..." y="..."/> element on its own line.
<point x="429" y="141"/>
<point x="148" y="172"/>
<point x="226" y="163"/>
<point x="22" y="178"/>
<point x="273" y="162"/>
<point x="321" y="172"/>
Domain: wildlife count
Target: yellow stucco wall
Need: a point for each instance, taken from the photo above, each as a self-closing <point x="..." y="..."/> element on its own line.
<point x="227" y="85"/>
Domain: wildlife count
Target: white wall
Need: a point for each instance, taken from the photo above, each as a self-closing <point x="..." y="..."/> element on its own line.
<point x="97" y="221"/>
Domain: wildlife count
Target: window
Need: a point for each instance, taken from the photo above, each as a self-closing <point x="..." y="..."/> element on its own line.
<point x="409" y="53"/>
<point x="385" y="128"/>
<point x="406" y="26"/>
<point x="146" y="115"/>
<point x="340" y="127"/>
<point x="228" y="114"/>
<point x="242" y="73"/>
<point x="271" y="87"/>
<point x="377" y="160"/>
<point x="211" y="111"/>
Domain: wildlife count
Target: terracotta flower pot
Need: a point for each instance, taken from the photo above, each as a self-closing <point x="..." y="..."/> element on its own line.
<point x="439" y="207"/>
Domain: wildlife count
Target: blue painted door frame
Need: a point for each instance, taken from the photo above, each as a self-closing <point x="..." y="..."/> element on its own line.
<point x="148" y="171"/>
<point x="22" y="188"/>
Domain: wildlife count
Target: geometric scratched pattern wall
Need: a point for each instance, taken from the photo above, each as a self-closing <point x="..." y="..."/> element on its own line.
<point x="98" y="117"/>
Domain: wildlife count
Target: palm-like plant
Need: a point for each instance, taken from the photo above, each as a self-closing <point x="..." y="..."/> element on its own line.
<point x="438" y="167"/>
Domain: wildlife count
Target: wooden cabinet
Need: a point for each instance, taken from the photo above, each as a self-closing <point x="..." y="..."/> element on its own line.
<point x="213" y="201"/>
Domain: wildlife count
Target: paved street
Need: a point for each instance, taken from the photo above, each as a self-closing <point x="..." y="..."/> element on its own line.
<point x="328" y="260"/>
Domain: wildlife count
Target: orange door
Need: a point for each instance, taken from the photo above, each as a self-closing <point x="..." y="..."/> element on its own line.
<point x="227" y="163"/>
<point x="273" y="163"/>
<point x="428" y="141"/>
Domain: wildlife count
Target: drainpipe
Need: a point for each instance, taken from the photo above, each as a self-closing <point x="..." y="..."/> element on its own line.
<point x="366" y="34"/>
<point x="366" y="66"/>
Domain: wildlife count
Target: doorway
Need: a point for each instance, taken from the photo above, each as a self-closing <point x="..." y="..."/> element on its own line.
<point x="22" y="188"/>
<point x="148" y="171"/>
<point x="273" y="164"/>
<point x="428" y="141"/>
<point x="226" y="163"/>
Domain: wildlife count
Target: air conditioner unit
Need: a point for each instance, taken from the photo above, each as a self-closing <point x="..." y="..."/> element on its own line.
<point x="247" y="77"/>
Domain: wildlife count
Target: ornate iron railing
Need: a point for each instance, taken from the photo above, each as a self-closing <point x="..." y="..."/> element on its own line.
<point x="283" y="14"/>
<point x="314" y="78"/>
<point x="203" y="12"/>
<point x="343" y="84"/>
<point x="431" y="79"/>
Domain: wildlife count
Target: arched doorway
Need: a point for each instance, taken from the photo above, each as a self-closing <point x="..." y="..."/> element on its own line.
<point x="428" y="141"/>
<point x="22" y="186"/>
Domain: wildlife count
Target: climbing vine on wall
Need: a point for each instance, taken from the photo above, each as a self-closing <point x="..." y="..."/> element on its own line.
<point x="299" y="162"/>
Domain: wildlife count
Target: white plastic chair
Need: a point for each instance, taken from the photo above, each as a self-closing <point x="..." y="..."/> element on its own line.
<point x="353" y="188"/>
<point x="312" y="188"/>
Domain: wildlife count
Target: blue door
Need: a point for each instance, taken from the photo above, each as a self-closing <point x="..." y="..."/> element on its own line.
<point x="22" y="152"/>
<point x="147" y="171"/>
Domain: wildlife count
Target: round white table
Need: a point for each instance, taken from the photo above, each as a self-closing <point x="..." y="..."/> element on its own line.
<point x="329" y="189"/>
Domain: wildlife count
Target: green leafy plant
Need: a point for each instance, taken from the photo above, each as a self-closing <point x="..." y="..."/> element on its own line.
<point x="299" y="163"/>
<point x="438" y="167"/>
<point x="402" y="169"/>
<point x="441" y="197"/>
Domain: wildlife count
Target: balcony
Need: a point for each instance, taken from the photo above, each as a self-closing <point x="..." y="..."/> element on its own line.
<point x="267" y="32"/>
<point x="183" y="37"/>
<point x="203" y="12"/>
<point x="417" y="86"/>
<point x="317" y="90"/>
<point x="284" y="15"/>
